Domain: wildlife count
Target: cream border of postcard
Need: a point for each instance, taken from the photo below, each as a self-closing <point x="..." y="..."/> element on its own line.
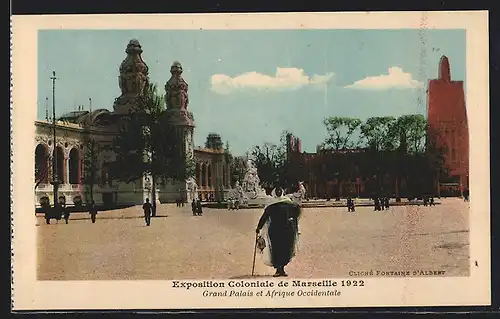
<point x="30" y="294"/>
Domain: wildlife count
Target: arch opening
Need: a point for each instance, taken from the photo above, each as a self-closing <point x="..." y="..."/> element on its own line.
<point x="59" y="164"/>
<point x="209" y="175"/>
<point x="203" y="175"/>
<point x="198" y="171"/>
<point x="41" y="164"/>
<point x="74" y="166"/>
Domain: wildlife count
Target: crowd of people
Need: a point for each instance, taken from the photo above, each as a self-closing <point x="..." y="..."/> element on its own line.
<point x="61" y="211"/>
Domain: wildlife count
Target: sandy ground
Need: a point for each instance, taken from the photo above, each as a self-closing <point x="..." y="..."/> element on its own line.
<point x="219" y="244"/>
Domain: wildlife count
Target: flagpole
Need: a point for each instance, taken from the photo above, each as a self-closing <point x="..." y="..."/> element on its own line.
<point x="55" y="176"/>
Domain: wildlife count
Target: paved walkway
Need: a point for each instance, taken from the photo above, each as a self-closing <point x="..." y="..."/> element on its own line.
<point x="220" y="243"/>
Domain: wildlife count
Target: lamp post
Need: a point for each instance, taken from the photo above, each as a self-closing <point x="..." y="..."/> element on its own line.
<point x="55" y="176"/>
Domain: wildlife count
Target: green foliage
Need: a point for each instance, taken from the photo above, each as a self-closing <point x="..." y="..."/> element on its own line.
<point x="376" y="132"/>
<point x="340" y="131"/>
<point x="271" y="162"/>
<point x="238" y="169"/>
<point x="90" y="176"/>
<point x="236" y="164"/>
<point x="408" y="134"/>
<point x="400" y="147"/>
<point x="148" y="144"/>
<point x="268" y="159"/>
<point x="214" y="141"/>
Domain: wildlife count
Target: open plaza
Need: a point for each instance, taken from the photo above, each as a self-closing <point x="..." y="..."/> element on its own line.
<point x="219" y="245"/>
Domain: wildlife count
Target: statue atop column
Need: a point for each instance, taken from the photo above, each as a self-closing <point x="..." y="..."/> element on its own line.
<point x="133" y="79"/>
<point x="177" y="98"/>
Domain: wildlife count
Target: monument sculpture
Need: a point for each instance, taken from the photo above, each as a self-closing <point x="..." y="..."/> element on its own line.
<point x="192" y="189"/>
<point x="250" y="193"/>
<point x="237" y="194"/>
<point x="300" y="195"/>
<point x="133" y="79"/>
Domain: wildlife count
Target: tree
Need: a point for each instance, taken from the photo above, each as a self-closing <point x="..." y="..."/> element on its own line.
<point x="214" y="141"/>
<point x="90" y="176"/>
<point x="147" y="144"/>
<point x="410" y="130"/>
<point x="269" y="160"/>
<point x="238" y="169"/>
<point x="375" y="132"/>
<point x="340" y="131"/>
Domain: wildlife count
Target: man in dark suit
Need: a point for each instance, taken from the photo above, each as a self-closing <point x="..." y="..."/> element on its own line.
<point x="147" y="207"/>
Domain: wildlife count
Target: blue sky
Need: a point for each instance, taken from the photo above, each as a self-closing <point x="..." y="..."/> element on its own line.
<point x="249" y="85"/>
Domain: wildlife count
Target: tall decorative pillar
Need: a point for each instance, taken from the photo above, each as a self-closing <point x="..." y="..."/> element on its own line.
<point x="133" y="81"/>
<point x="177" y="115"/>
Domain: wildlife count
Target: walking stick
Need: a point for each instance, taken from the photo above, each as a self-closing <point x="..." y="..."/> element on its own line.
<point x="254" y="253"/>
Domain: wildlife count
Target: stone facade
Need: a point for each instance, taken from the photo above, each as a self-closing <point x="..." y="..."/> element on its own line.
<point x="75" y="129"/>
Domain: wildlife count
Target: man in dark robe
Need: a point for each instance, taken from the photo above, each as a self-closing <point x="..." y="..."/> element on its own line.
<point x="65" y="212"/>
<point x="194" y="207"/>
<point x="48" y="211"/>
<point x="350" y="205"/>
<point x="431" y="201"/>
<point x="466" y="195"/>
<point x="280" y="218"/>
<point x="147" y="211"/>
<point x="199" y="208"/>
<point x="93" y="211"/>
<point x="377" y="203"/>
<point x="386" y="202"/>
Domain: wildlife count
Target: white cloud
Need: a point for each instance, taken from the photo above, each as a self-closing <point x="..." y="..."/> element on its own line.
<point x="395" y="78"/>
<point x="284" y="79"/>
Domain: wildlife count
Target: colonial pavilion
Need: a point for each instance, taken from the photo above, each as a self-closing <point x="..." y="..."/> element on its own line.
<point x="74" y="129"/>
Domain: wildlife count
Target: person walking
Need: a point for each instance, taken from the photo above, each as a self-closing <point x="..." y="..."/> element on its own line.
<point x="279" y="225"/>
<point x="93" y="211"/>
<point x="147" y="212"/>
<point x="199" y="208"/>
<point x="350" y="205"/>
<point x="194" y="207"/>
<point x="65" y="212"/>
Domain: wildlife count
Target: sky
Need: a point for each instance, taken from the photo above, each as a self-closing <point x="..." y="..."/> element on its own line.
<point x="250" y="85"/>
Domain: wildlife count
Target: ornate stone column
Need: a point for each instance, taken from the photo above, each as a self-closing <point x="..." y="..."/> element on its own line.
<point x="200" y="180"/>
<point x="65" y="169"/>
<point x="80" y="170"/>
<point x="207" y="184"/>
<point x="50" y="158"/>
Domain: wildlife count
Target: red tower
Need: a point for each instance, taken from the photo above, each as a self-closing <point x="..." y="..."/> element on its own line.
<point x="447" y="118"/>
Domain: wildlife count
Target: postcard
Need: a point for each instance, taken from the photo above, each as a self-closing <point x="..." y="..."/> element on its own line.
<point x="284" y="160"/>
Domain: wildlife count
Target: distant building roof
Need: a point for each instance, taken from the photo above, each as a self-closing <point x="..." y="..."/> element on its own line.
<point x="72" y="116"/>
<point x="209" y="150"/>
<point x="84" y="117"/>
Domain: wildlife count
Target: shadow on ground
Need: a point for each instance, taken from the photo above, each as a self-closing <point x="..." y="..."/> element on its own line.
<point x="103" y="217"/>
